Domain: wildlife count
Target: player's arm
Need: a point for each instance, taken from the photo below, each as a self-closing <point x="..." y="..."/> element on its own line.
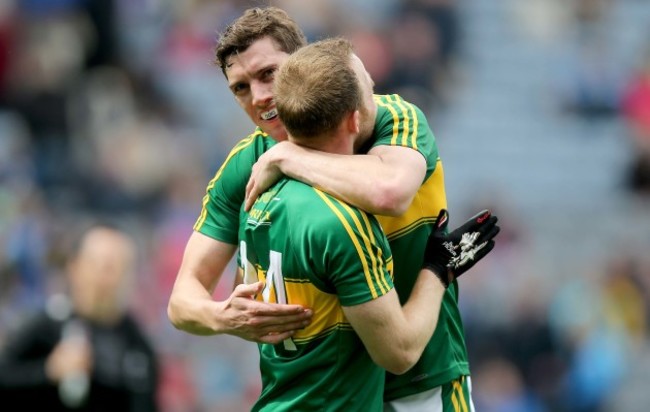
<point x="209" y="250"/>
<point x="382" y="182"/>
<point x="395" y="336"/>
<point x="192" y="309"/>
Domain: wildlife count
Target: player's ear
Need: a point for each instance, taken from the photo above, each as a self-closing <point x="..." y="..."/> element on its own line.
<point x="354" y="122"/>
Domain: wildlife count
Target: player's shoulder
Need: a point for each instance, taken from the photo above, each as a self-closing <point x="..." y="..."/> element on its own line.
<point x="300" y="197"/>
<point x="258" y="141"/>
<point x="394" y="100"/>
<point x="316" y="205"/>
<point x="337" y="211"/>
<point x="245" y="153"/>
<point x="394" y="105"/>
<point x="318" y="218"/>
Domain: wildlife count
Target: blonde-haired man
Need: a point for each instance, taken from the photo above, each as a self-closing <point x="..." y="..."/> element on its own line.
<point x="317" y="251"/>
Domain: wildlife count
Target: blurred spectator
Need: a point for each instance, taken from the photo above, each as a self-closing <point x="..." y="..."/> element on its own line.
<point x="423" y="38"/>
<point x="85" y="351"/>
<point x="506" y="319"/>
<point x="7" y="28"/>
<point x="415" y="45"/>
<point x="595" y="351"/>
<point x="625" y="299"/>
<point x="500" y="388"/>
<point x="636" y="112"/>
<point x="592" y="81"/>
<point x="589" y="76"/>
<point x="48" y="53"/>
<point x="102" y="17"/>
<point x="544" y="21"/>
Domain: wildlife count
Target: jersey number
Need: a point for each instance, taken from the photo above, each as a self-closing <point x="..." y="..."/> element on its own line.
<point x="274" y="278"/>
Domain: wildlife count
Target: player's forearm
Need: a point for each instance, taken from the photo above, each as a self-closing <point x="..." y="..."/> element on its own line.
<point x="192" y="309"/>
<point x="423" y="308"/>
<point x="364" y="181"/>
<point x="394" y="335"/>
<point x="421" y="314"/>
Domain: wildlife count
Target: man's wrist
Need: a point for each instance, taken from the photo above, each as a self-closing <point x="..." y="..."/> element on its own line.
<point x="280" y="158"/>
<point x="439" y="271"/>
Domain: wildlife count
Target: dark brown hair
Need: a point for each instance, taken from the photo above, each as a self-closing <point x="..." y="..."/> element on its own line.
<point x="255" y="24"/>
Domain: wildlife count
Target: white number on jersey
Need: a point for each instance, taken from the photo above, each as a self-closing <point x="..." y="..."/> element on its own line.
<point x="274" y="279"/>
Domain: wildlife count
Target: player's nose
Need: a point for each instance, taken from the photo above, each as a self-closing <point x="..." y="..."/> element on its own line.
<point x="262" y="93"/>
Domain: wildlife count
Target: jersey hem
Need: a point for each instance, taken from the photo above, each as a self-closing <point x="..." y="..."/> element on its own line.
<point x="439" y="379"/>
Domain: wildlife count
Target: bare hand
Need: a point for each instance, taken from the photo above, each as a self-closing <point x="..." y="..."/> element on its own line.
<point x="264" y="174"/>
<point x="67" y="358"/>
<point x="262" y="322"/>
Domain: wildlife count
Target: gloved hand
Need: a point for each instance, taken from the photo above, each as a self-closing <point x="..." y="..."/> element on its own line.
<point x="451" y="255"/>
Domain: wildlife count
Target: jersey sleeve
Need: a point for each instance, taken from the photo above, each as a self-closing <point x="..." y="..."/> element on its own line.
<point x="400" y="123"/>
<point x="224" y="195"/>
<point x="354" y="260"/>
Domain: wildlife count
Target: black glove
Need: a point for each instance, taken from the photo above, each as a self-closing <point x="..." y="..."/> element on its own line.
<point x="451" y="255"/>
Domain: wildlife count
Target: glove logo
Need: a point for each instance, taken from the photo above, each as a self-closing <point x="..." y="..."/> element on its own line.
<point x="482" y="218"/>
<point x="449" y="255"/>
<point x="466" y="255"/>
<point x="450" y="247"/>
<point x="441" y="221"/>
<point x="467" y="240"/>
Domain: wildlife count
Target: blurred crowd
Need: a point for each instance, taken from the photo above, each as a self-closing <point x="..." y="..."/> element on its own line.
<point x="114" y="108"/>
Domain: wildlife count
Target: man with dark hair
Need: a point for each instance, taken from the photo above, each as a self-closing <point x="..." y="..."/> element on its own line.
<point x="258" y="32"/>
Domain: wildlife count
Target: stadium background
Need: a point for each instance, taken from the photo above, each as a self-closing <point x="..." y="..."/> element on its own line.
<point x="112" y="107"/>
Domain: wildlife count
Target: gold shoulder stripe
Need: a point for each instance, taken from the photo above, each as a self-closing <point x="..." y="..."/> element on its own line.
<point x="391" y="109"/>
<point x="369" y="240"/>
<point x="354" y="239"/>
<point x="413" y="115"/>
<point x="244" y="143"/>
<point x="238" y="147"/>
<point x="409" y="132"/>
<point x="405" y="132"/>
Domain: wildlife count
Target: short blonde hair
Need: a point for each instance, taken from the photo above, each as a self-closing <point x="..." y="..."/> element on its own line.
<point x="316" y="87"/>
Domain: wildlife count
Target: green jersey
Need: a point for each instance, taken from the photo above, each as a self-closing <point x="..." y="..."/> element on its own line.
<point x="314" y="250"/>
<point x="398" y="123"/>
<point x="224" y="196"/>
<point x="445" y="357"/>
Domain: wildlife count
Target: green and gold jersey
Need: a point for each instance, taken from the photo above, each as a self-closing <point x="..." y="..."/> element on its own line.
<point x="224" y="196"/>
<point x="398" y="123"/>
<point x="314" y="250"/>
<point x="445" y="357"/>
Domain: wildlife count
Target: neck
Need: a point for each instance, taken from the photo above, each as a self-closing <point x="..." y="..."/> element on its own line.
<point x="340" y="143"/>
<point x="366" y="128"/>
